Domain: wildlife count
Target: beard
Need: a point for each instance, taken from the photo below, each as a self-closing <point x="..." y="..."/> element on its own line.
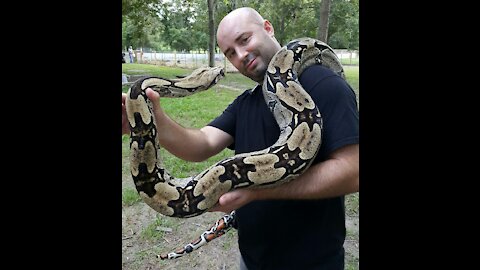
<point x="258" y="72"/>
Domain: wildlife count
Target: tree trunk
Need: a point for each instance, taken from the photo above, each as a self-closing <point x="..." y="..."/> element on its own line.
<point x="211" y="30"/>
<point x="323" y="22"/>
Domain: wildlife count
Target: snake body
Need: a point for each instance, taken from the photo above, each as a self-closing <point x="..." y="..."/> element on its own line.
<point x="298" y="118"/>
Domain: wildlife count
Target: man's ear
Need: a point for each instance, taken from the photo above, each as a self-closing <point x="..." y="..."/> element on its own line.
<point x="268" y="27"/>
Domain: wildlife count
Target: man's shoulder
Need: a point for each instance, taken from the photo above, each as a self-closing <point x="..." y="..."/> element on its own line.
<point x="317" y="73"/>
<point x="245" y="95"/>
<point x="322" y="82"/>
<point x="249" y="92"/>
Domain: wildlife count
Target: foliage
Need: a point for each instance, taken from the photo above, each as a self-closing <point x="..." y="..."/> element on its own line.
<point x="176" y="18"/>
<point x="131" y="8"/>
<point x="343" y="29"/>
<point x="291" y="19"/>
<point x="182" y="25"/>
<point x="140" y="33"/>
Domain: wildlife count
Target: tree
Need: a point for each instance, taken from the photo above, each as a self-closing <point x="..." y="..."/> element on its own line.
<point x="323" y="22"/>
<point x="343" y="25"/>
<point x="177" y="18"/>
<point x="291" y="19"/>
<point x="211" y="31"/>
<point x="139" y="22"/>
<point x="182" y="24"/>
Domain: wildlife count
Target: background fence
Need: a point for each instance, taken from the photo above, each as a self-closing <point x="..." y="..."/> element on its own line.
<point x="194" y="60"/>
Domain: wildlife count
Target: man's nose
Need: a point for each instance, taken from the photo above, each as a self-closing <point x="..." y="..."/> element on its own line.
<point x="242" y="54"/>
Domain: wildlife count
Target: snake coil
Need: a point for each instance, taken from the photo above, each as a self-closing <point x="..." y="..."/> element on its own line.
<point x="298" y="118"/>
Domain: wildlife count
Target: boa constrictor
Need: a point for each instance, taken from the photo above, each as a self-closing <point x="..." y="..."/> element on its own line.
<point x="297" y="116"/>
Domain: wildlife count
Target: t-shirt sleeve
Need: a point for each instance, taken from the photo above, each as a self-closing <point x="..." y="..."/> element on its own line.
<point x="337" y="104"/>
<point x="227" y="121"/>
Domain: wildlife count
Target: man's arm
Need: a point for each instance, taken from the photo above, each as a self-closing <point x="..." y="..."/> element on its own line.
<point x="185" y="143"/>
<point x="336" y="176"/>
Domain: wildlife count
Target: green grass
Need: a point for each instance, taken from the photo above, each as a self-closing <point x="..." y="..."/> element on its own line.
<point x="125" y="155"/>
<point x="182" y="169"/>
<point x="229" y="235"/>
<point x="352" y="200"/>
<point x="351" y="265"/>
<point x="154" y="70"/>
<point x="151" y="232"/>
<point x="348" y="61"/>
<point x="130" y="197"/>
<point x="235" y="80"/>
<point x="194" y="112"/>
<point x="351" y="73"/>
<point x="350" y="234"/>
<point x="197" y="110"/>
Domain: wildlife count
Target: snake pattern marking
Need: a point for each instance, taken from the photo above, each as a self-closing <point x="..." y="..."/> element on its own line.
<point x="298" y="118"/>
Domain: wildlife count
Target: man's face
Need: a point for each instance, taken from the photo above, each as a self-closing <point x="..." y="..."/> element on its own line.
<point x="248" y="46"/>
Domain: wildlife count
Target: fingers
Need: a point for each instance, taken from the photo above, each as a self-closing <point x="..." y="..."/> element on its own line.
<point x="233" y="200"/>
<point x="152" y="95"/>
<point x="124" y="110"/>
<point x="155" y="99"/>
<point x="226" y="203"/>
<point x="230" y="198"/>
<point x="216" y="208"/>
<point x="125" y="126"/>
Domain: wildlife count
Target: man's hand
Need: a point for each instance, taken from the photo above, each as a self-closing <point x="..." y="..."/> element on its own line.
<point x="336" y="176"/>
<point x="125" y="125"/>
<point x="154" y="98"/>
<point x="233" y="200"/>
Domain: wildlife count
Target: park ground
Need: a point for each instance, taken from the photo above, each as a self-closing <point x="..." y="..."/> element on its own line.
<point x="146" y="233"/>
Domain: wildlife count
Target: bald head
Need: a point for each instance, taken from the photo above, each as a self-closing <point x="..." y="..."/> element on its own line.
<point x="246" y="14"/>
<point x="248" y="41"/>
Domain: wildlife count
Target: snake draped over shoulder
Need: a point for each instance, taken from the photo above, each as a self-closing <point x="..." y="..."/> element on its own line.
<point x="295" y="112"/>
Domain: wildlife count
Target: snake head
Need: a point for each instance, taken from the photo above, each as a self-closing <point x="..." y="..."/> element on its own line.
<point x="213" y="74"/>
<point x="209" y="74"/>
<point x="220" y="75"/>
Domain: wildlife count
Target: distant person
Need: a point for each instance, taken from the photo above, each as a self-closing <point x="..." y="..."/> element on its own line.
<point x="123" y="58"/>
<point x="131" y="54"/>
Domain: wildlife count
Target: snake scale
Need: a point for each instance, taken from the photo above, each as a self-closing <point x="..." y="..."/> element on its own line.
<point x="298" y="118"/>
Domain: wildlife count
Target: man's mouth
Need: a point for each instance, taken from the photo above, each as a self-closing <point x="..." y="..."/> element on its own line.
<point x="250" y="59"/>
<point x="251" y="63"/>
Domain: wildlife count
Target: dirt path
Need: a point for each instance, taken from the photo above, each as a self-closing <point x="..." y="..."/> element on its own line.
<point x="139" y="248"/>
<point x="145" y="233"/>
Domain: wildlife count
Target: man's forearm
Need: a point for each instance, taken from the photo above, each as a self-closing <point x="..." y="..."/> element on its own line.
<point x="334" y="177"/>
<point x="187" y="144"/>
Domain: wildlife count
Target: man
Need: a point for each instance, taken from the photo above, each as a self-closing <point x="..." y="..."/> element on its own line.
<point x="298" y="225"/>
<point x="131" y="54"/>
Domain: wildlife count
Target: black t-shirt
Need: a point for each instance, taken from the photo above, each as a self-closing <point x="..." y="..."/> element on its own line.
<point x="293" y="234"/>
